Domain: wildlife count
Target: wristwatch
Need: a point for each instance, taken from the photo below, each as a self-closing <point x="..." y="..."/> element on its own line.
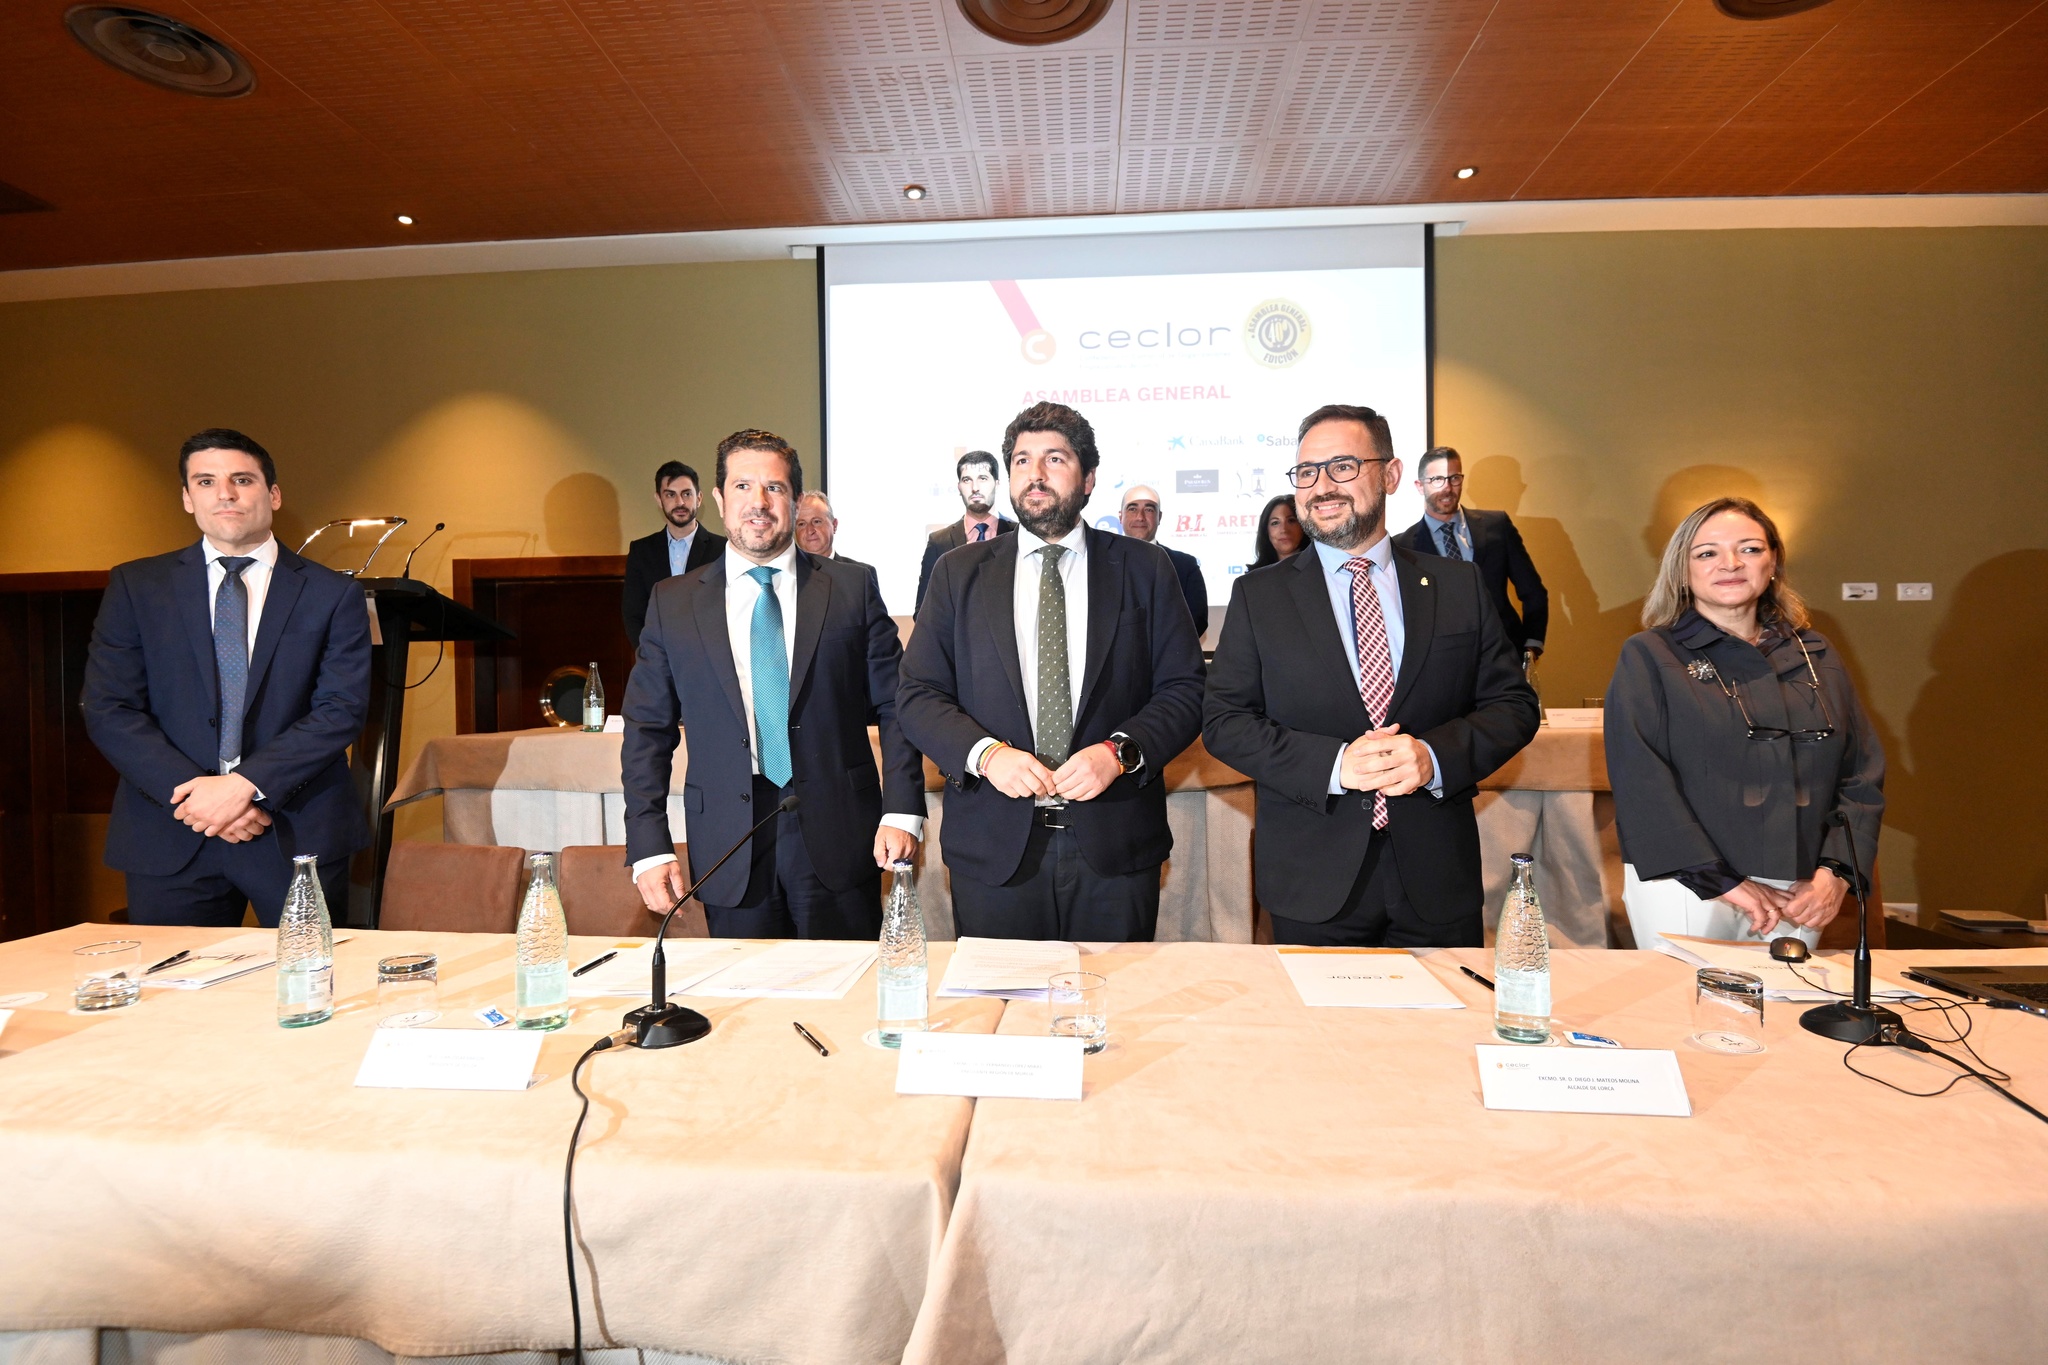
<point x="1129" y="755"/>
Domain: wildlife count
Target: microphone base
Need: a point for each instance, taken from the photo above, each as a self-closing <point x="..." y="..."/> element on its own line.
<point x="666" y="1025"/>
<point x="1848" y="1023"/>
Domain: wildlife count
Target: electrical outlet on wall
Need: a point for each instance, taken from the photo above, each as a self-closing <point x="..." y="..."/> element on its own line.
<point x="1916" y="592"/>
<point x="1859" y="592"/>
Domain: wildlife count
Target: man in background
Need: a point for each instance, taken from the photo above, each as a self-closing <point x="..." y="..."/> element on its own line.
<point x="1052" y="680"/>
<point x="1140" y="513"/>
<point x="1486" y="539"/>
<point x="225" y="682"/>
<point x="817" y="529"/>
<point x="976" y="472"/>
<point x="682" y="543"/>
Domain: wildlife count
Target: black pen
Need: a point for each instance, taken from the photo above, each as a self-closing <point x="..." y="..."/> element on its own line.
<point x="809" y="1039"/>
<point x="1475" y="976"/>
<point x="595" y="963"/>
<point x="173" y="960"/>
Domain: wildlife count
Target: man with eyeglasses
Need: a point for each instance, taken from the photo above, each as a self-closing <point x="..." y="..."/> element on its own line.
<point x="1487" y="539"/>
<point x="1366" y="689"/>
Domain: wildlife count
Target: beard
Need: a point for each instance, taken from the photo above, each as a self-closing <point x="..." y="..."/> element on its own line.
<point x="682" y="518"/>
<point x="1353" y="531"/>
<point x="976" y="504"/>
<point x="761" y="544"/>
<point x="1050" y="523"/>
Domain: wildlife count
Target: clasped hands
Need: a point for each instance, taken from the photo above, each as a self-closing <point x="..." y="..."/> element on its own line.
<point x="1810" y="904"/>
<point x="1385" y="760"/>
<point x="220" y="807"/>
<point x="1084" y="776"/>
<point x="660" y="885"/>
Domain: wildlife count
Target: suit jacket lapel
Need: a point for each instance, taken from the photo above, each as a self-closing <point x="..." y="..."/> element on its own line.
<point x="999" y="585"/>
<point x="287" y="581"/>
<point x="1105" y="595"/>
<point x="813" y="600"/>
<point x="709" y="601"/>
<point x="1319" y="622"/>
<point x="188" y="586"/>
<point x="1418" y="623"/>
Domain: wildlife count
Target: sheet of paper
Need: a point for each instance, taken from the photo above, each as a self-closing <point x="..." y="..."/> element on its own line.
<point x="1815" y="979"/>
<point x="990" y="1066"/>
<point x="449" y="1059"/>
<point x="689" y="960"/>
<point x="1558" y="1080"/>
<point x="802" y="969"/>
<point x="1006" y="968"/>
<point x="222" y="961"/>
<point x="1368" y="978"/>
<point x="1574" y="717"/>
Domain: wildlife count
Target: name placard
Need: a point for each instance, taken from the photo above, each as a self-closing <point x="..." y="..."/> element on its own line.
<point x="1593" y="1081"/>
<point x="449" y="1059"/>
<point x="989" y="1066"/>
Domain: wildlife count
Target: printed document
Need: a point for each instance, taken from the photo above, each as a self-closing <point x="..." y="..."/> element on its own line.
<point x="689" y="960"/>
<point x="1369" y="978"/>
<point x="1005" y="968"/>
<point x="801" y="969"/>
<point x="1815" y="979"/>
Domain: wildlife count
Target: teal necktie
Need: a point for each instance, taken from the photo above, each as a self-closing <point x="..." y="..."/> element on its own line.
<point x="770" y="666"/>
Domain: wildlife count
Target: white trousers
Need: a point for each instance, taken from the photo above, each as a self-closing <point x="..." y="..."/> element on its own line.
<point x="1665" y="907"/>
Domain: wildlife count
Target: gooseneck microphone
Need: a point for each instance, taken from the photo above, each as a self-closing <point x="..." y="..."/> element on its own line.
<point x="1855" y="1020"/>
<point x="660" y="1022"/>
<point x="405" y="570"/>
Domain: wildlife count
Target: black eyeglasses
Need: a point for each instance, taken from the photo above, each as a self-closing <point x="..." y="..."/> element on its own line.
<point x="1343" y="469"/>
<point x="1773" y="731"/>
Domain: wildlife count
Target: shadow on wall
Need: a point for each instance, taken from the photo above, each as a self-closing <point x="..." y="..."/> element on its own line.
<point x="1980" y="746"/>
<point x="582" y="517"/>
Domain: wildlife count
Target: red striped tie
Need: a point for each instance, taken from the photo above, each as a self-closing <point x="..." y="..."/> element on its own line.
<point x="1375" y="660"/>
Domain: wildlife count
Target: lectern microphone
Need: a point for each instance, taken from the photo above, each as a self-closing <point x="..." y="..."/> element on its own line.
<point x="1855" y="1020"/>
<point x="439" y="527"/>
<point x="660" y="1022"/>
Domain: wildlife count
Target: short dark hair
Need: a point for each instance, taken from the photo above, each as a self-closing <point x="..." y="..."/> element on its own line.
<point x="676" y="469"/>
<point x="1436" y="453"/>
<point x="976" y="457"/>
<point x="754" y="439"/>
<point x="1382" y="434"/>
<point x="225" y="438"/>
<point x="1061" y="420"/>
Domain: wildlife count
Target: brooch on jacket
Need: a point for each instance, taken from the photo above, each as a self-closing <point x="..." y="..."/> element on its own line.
<point x="1701" y="670"/>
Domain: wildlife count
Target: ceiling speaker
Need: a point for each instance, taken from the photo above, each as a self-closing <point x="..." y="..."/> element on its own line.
<point x="1034" y="22"/>
<point x="1765" y="9"/>
<point x="161" y="50"/>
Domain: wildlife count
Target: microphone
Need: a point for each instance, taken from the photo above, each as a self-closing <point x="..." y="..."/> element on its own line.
<point x="1855" y="1020"/>
<point x="661" y="1022"/>
<point x="405" y="570"/>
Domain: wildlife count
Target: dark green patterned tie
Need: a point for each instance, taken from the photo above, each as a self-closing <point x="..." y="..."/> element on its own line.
<point x="1055" y="736"/>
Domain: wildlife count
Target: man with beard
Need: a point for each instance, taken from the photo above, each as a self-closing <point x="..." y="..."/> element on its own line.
<point x="1052" y="676"/>
<point x="773" y="659"/>
<point x="1366" y="690"/>
<point x="976" y="473"/>
<point x="682" y="544"/>
<point x="1488" y="539"/>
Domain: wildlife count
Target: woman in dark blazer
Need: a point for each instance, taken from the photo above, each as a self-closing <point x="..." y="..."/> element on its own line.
<point x="1733" y="735"/>
<point x="1279" y="534"/>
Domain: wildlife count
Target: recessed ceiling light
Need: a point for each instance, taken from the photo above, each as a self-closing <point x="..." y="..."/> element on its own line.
<point x="1467" y="172"/>
<point x="913" y="192"/>
<point x="405" y="220"/>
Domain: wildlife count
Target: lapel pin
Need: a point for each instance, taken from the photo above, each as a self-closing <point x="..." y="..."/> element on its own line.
<point x="1701" y="670"/>
<point x="1425" y="581"/>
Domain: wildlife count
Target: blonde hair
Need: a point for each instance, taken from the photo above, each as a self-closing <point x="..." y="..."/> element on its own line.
<point x="1671" y="594"/>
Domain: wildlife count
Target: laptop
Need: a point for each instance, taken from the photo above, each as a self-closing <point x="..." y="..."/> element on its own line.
<point x="2023" y="988"/>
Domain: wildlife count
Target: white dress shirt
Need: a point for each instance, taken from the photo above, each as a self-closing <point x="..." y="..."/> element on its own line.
<point x="255" y="577"/>
<point x="1337" y="579"/>
<point x="1073" y="572"/>
<point x="741" y="594"/>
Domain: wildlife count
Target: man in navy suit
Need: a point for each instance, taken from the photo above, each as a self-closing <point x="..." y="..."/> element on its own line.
<point x="1488" y="540"/>
<point x="1140" y="515"/>
<point x="1052" y="676"/>
<point x="976" y="474"/>
<point x="225" y="682"/>
<point x="774" y="661"/>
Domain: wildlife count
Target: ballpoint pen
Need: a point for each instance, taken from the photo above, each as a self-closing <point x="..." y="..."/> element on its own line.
<point x="822" y="1052"/>
<point x="1475" y="976"/>
<point x="173" y="960"/>
<point x="595" y="962"/>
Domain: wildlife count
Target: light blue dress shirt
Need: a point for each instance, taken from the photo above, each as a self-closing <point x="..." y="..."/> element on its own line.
<point x="1459" y="527"/>
<point x="679" y="550"/>
<point x="1337" y="579"/>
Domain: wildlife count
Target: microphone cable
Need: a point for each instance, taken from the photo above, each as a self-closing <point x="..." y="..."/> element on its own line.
<point x="610" y="1040"/>
<point x="1906" y="1038"/>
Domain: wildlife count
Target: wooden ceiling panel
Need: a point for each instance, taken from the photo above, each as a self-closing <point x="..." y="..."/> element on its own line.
<point x="532" y="118"/>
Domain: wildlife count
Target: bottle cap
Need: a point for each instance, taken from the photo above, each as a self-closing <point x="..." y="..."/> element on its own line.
<point x="902" y="865"/>
<point x="1521" y="859"/>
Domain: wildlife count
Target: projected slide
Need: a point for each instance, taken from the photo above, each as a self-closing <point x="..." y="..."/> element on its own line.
<point x="1194" y="383"/>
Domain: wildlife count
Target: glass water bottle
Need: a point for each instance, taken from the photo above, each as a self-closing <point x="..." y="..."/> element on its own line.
<point x="541" y="978"/>
<point x="1521" y="962"/>
<point x="902" y="971"/>
<point x="305" y="950"/>
<point x="593" y="700"/>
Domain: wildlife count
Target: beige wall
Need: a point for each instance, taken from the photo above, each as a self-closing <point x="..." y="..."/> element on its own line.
<point x="1885" y="392"/>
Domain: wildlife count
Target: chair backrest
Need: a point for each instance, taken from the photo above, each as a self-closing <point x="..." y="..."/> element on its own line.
<point x="460" y="888"/>
<point x="599" y="897"/>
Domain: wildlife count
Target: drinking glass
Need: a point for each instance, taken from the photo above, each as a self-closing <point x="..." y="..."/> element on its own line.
<point x="408" y="990"/>
<point x="1728" y="1010"/>
<point x="108" y="975"/>
<point x="1080" y="1008"/>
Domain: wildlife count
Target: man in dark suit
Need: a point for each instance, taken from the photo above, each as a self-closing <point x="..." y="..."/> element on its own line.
<point x="976" y="472"/>
<point x="1140" y="516"/>
<point x="682" y="543"/>
<point x="1052" y="676"/>
<point x="1487" y="539"/>
<point x="774" y="661"/>
<point x="1366" y="690"/>
<point x="225" y="682"/>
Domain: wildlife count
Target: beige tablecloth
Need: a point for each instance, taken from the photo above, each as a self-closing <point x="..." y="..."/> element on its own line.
<point x="188" y="1166"/>
<point x="546" y="789"/>
<point x="1251" y="1181"/>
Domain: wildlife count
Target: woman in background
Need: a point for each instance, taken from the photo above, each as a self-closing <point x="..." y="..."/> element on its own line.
<point x="1733" y="736"/>
<point x="1279" y="534"/>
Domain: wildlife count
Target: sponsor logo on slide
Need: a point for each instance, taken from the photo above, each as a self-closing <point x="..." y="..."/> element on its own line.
<point x="1034" y="342"/>
<point x="1038" y="347"/>
<point x="1196" y="481"/>
<point x="1277" y="333"/>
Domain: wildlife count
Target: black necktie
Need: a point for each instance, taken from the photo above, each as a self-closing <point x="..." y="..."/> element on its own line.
<point x="1451" y="550"/>
<point x="981" y="530"/>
